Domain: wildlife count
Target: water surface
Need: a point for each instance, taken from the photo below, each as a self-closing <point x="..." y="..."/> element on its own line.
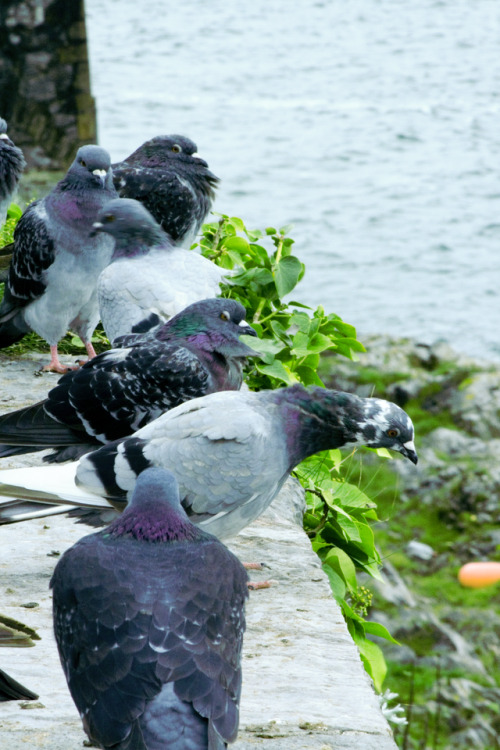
<point x="373" y="127"/>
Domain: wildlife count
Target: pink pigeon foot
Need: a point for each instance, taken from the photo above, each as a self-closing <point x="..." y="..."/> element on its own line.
<point x="55" y="364"/>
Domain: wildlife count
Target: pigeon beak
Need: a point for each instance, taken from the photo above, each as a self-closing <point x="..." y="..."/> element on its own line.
<point x="247" y="329"/>
<point x="408" y="450"/>
<point x="199" y="160"/>
<point x="102" y="174"/>
<point x="96" y="227"/>
<point x="4" y="136"/>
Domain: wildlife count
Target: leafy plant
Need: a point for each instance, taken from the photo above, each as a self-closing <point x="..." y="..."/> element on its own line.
<point x="263" y="271"/>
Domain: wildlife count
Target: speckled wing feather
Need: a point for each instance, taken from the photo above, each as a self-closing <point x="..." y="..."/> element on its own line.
<point x="127" y="388"/>
<point x="172" y="201"/>
<point x="142" y="626"/>
<point x="33" y="254"/>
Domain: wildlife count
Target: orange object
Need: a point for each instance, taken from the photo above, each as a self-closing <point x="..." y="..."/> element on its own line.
<point x="475" y="575"/>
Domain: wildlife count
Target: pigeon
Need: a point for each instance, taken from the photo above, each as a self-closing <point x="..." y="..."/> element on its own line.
<point x="55" y="265"/>
<point x="148" y="279"/>
<point x="111" y="396"/>
<point x="230" y="451"/>
<point x="11" y="166"/>
<point x="167" y="176"/>
<point x="149" y="622"/>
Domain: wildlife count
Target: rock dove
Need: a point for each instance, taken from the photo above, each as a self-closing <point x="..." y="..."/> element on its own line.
<point x="197" y="352"/>
<point x="230" y="451"/>
<point x="148" y="279"/>
<point x="149" y="622"/>
<point x="11" y="166"/>
<point x="53" y="274"/>
<point x="167" y="176"/>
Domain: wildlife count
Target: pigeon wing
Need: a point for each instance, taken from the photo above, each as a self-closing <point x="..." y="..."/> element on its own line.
<point x="121" y="390"/>
<point x="33" y="254"/>
<point x="217" y="447"/>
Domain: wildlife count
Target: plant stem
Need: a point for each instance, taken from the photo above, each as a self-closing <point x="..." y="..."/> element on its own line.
<point x="259" y="309"/>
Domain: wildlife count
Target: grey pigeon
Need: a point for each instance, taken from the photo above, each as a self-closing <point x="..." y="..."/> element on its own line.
<point x="149" y="622"/>
<point x="230" y="451"/>
<point x="148" y="279"/>
<point x="11" y="167"/>
<point x="197" y="352"/>
<point x="52" y="279"/>
<point x="167" y="176"/>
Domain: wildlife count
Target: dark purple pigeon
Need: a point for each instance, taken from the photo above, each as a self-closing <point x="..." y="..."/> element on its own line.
<point x="149" y="622"/>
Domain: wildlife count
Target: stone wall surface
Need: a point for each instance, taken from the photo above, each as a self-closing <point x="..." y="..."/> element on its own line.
<point x="304" y="686"/>
<point x="44" y="79"/>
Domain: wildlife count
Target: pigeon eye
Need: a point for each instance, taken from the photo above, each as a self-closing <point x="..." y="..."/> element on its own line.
<point x="83" y="163"/>
<point x="108" y="218"/>
<point x="392" y="432"/>
<point x="176" y="149"/>
<point x="225" y="315"/>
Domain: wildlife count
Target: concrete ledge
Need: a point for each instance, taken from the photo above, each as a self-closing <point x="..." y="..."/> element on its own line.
<point x="303" y="682"/>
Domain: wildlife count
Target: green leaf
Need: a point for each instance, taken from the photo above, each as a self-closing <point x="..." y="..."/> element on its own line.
<point x="278" y="371"/>
<point x="375" y="628"/>
<point x="239" y="244"/>
<point x="286" y="274"/>
<point x="238" y="223"/>
<point x="308" y="375"/>
<point x="373" y="660"/>
<point x="342" y="564"/>
<point x="336" y="583"/>
<point x="351" y="496"/>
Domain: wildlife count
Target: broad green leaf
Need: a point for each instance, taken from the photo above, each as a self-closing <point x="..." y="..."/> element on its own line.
<point x="238" y="223"/>
<point x="286" y="274"/>
<point x="351" y="496"/>
<point x="279" y="371"/>
<point x="308" y="375"/>
<point x="343" y="565"/>
<point x="239" y="244"/>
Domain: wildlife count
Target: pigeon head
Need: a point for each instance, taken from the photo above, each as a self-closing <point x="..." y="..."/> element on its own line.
<point x="212" y="324"/>
<point x="132" y="226"/>
<point x="92" y="164"/>
<point x="326" y="419"/>
<point x="386" y="425"/>
<point x="154" y="512"/>
<point x="167" y="147"/>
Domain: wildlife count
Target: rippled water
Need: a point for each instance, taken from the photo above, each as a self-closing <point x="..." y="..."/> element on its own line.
<point x="372" y="126"/>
